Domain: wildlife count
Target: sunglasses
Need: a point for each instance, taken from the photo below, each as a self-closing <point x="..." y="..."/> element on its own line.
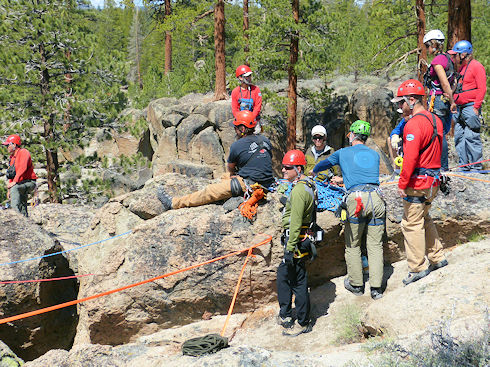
<point x="318" y="138"/>
<point x="288" y="168"/>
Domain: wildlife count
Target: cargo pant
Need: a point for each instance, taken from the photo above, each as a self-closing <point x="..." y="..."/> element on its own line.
<point x="372" y="221"/>
<point x="419" y="231"/>
<point x="210" y="194"/>
<point x="467" y="137"/>
<point x="19" y="195"/>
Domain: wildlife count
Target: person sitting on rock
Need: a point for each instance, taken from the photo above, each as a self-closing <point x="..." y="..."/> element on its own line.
<point x="246" y="97"/>
<point x="249" y="161"/>
<point x="320" y="150"/>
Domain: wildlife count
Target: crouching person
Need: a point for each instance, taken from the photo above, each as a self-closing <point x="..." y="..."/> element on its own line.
<point x="296" y="219"/>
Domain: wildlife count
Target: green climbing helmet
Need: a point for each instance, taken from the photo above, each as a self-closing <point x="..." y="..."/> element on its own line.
<point x="361" y="127"/>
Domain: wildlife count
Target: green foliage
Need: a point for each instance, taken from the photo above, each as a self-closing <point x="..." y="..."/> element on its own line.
<point x="347" y="323"/>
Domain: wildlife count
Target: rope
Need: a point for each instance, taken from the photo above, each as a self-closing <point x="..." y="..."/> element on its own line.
<point x="468" y="177"/>
<point x="469" y="164"/>
<point x="43" y="280"/>
<point x="237" y="288"/>
<point x="65" y="251"/>
<point x="249" y="208"/>
<point x="77" y="301"/>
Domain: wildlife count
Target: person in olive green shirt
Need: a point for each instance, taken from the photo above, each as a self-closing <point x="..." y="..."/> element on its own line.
<point x="296" y="219"/>
<point x="318" y="151"/>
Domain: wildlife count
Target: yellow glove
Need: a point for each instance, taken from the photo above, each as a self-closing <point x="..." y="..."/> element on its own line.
<point x="343" y="215"/>
<point x="395" y="139"/>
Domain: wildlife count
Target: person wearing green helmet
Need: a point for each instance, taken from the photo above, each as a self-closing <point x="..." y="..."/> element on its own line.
<point x="365" y="207"/>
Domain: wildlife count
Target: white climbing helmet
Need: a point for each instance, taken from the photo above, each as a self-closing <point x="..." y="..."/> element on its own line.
<point x="435" y="34"/>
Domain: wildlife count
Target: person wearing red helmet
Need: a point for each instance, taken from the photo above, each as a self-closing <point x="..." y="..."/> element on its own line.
<point x="246" y="96"/>
<point x="419" y="181"/>
<point x="20" y="174"/>
<point x="297" y="216"/>
<point x="249" y="161"/>
<point x="365" y="209"/>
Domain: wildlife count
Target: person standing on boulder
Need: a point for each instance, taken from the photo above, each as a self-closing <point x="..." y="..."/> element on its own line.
<point x="297" y="216"/>
<point x="439" y="79"/>
<point x="246" y="97"/>
<point x="366" y="209"/>
<point x="468" y="97"/>
<point x="20" y="174"/>
<point x="419" y="181"/>
<point x="249" y="161"/>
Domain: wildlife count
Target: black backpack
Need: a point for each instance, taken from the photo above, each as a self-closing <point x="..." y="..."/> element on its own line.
<point x="429" y="80"/>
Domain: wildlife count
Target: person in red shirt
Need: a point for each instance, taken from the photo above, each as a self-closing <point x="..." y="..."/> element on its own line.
<point x="246" y="96"/>
<point x="21" y="176"/>
<point x="468" y="97"/>
<point x="419" y="181"/>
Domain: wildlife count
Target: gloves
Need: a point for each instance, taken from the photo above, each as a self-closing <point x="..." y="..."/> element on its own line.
<point x="395" y="140"/>
<point x="288" y="258"/>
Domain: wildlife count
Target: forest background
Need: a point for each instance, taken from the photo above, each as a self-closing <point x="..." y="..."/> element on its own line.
<point x="66" y="67"/>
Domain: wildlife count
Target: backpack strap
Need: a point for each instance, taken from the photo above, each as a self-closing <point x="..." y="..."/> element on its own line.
<point x="261" y="145"/>
<point x="434" y="133"/>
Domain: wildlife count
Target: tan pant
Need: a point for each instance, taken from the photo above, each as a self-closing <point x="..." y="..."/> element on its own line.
<point x="420" y="233"/>
<point x="374" y="234"/>
<point x="210" y="194"/>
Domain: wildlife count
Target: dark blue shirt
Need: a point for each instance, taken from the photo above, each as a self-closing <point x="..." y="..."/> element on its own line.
<point x="398" y="130"/>
<point x="358" y="163"/>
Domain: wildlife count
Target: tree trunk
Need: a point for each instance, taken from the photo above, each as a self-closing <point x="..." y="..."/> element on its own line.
<point x="168" y="40"/>
<point x="293" y="81"/>
<point x="245" y="29"/>
<point x="68" y="94"/>
<point x="51" y="155"/>
<point x="422" y="54"/>
<point x="458" y="21"/>
<point x="219" y="51"/>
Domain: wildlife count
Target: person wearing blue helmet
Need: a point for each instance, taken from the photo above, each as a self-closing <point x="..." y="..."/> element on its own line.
<point x="468" y="97"/>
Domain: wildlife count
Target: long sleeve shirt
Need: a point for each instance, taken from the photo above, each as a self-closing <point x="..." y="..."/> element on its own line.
<point x="474" y="84"/>
<point x="246" y="99"/>
<point x="23" y="166"/>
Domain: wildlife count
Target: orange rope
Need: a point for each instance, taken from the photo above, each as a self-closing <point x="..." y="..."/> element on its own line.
<point x="468" y="177"/>
<point x="237" y="288"/>
<point x="249" y="208"/>
<point x="74" y="302"/>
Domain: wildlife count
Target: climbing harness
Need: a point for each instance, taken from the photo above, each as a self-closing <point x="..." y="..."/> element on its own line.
<point x="357" y="218"/>
<point x="254" y="194"/>
<point x="207" y="344"/>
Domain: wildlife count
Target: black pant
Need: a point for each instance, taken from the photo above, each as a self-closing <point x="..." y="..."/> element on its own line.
<point x="293" y="279"/>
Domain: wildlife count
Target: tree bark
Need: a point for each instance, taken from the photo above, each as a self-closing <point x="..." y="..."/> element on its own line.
<point x="458" y="21"/>
<point x="168" y="40"/>
<point x="245" y="29"/>
<point x="293" y="81"/>
<point x="219" y="51"/>
<point x="51" y="155"/>
<point x="422" y="55"/>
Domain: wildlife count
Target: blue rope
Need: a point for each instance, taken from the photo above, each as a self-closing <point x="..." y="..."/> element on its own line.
<point x="62" y="252"/>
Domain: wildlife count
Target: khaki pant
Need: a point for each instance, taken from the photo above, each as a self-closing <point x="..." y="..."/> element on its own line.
<point x="210" y="194"/>
<point x="374" y="208"/>
<point x="420" y="233"/>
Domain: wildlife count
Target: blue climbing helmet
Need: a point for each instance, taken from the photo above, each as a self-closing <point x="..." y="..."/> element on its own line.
<point x="463" y="47"/>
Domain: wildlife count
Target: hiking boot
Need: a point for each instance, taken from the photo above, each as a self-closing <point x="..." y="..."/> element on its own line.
<point x="439" y="265"/>
<point x="165" y="198"/>
<point x="376" y="293"/>
<point x="357" y="290"/>
<point x="285" y="322"/>
<point x="413" y="277"/>
<point x="298" y="329"/>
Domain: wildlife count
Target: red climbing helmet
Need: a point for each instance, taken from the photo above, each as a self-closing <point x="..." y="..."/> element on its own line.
<point x="245" y="118"/>
<point x="410" y="87"/>
<point x="294" y="158"/>
<point x="243" y="70"/>
<point x="13" y="139"/>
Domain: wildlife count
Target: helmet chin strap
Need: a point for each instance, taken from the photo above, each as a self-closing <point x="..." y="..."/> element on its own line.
<point x="411" y="106"/>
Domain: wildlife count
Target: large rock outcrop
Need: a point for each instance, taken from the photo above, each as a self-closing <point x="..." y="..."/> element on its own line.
<point x="31" y="337"/>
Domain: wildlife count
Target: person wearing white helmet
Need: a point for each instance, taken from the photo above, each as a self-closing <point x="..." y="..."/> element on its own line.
<point x="439" y="79"/>
<point x="318" y="151"/>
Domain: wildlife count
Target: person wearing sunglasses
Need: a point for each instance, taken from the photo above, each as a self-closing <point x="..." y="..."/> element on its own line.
<point x="297" y="216"/>
<point x="20" y="174"/>
<point x="320" y="150"/>
<point x="419" y="182"/>
<point x="366" y="209"/>
<point x="249" y="161"/>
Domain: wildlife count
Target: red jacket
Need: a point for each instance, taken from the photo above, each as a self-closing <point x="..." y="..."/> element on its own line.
<point x="416" y="135"/>
<point x="474" y="84"/>
<point x="23" y="166"/>
<point x="251" y="96"/>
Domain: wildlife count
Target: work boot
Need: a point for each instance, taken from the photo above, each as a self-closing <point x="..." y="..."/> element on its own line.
<point x="439" y="265"/>
<point x="165" y="198"/>
<point x="376" y="293"/>
<point x="357" y="290"/>
<point x="298" y="329"/>
<point x="285" y="322"/>
<point x="413" y="277"/>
